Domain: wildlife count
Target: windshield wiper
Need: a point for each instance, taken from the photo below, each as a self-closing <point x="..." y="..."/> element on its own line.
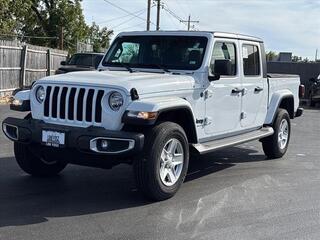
<point x="161" y="67"/>
<point x="126" y="67"/>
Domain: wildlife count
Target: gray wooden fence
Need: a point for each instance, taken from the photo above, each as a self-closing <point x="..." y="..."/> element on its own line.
<point x="21" y="64"/>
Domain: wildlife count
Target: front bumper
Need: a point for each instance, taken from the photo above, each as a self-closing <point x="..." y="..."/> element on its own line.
<point x="86" y="140"/>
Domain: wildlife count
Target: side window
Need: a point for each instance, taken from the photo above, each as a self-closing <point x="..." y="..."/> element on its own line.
<point x="223" y="61"/>
<point x="251" y="60"/>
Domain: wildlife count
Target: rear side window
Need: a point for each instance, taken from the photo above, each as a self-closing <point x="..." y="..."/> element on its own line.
<point x="251" y="60"/>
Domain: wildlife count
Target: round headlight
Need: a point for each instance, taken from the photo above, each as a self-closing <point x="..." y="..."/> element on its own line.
<point x="40" y="94"/>
<point x="115" y="101"/>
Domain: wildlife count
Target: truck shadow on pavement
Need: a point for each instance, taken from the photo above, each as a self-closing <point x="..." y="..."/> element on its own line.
<point x="78" y="190"/>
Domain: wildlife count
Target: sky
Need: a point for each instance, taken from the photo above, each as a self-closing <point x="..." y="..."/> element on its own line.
<point x="284" y="25"/>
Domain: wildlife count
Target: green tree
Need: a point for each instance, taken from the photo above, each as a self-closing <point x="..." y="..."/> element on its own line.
<point x="8" y="23"/>
<point x="45" y="19"/>
<point x="99" y="38"/>
<point x="271" y="56"/>
<point x="296" y="59"/>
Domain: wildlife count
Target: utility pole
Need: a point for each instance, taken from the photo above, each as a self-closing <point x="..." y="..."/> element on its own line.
<point x="158" y="14"/>
<point x="61" y="38"/>
<point x="316" y="57"/>
<point x="148" y="15"/>
<point x="189" y="22"/>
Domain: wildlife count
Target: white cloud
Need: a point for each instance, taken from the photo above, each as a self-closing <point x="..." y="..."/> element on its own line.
<point x="285" y="25"/>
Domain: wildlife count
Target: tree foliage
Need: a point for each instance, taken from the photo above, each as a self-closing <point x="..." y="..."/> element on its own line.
<point x="42" y="22"/>
<point x="296" y="58"/>
<point x="7" y="23"/>
<point x="271" y="56"/>
<point x="99" y="38"/>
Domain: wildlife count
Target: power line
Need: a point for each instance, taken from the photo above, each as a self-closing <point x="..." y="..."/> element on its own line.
<point x="121" y="17"/>
<point x="171" y="19"/>
<point x="181" y="8"/>
<point x="124" y="10"/>
<point x="172" y="13"/>
<point x="120" y="24"/>
<point x="140" y="24"/>
<point x="186" y="22"/>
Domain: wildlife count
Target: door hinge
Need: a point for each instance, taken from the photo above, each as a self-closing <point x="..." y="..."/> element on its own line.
<point x="207" y="94"/>
<point x="244" y="91"/>
<point x="243" y="115"/>
<point x="207" y="121"/>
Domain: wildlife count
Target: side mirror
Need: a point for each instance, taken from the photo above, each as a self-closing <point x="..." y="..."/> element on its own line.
<point x="63" y="63"/>
<point x="220" y="67"/>
<point x="213" y="77"/>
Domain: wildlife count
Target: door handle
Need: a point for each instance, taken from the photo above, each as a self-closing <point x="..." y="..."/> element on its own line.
<point x="258" y="89"/>
<point x="237" y="90"/>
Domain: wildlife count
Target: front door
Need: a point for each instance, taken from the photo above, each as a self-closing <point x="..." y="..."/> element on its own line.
<point x="223" y="101"/>
<point x="255" y="87"/>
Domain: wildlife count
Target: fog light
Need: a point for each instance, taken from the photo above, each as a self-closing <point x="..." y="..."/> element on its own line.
<point x="11" y="131"/>
<point x="104" y="144"/>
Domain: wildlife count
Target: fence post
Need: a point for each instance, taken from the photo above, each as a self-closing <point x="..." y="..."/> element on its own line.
<point x="48" y="62"/>
<point x="22" y="80"/>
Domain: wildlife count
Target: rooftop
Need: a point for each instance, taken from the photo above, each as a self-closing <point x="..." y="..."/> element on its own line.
<point x="196" y="33"/>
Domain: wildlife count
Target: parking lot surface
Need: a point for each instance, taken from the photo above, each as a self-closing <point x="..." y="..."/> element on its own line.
<point x="234" y="193"/>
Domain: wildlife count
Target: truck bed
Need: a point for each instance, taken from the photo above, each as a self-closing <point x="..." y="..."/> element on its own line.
<point x="284" y="82"/>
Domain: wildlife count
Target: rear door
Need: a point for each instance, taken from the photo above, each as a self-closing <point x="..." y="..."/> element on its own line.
<point x="254" y="96"/>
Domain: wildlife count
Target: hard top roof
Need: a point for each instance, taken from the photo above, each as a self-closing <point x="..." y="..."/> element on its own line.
<point x="195" y="33"/>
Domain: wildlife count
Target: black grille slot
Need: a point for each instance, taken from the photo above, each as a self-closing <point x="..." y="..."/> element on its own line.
<point x="47" y="102"/>
<point x="63" y="103"/>
<point x="98" y="106"/>
<point x="55" y="102"/>
<point x="71" y="103"/>
<point x="89" y="105"/>
<point x="80" y="104"/>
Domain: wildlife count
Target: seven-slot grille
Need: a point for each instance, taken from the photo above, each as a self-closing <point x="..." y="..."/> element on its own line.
<point x="73" y="104"/>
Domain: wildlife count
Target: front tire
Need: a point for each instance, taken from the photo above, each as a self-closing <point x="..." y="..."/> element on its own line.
<point x="34" y="165"/>
<point x="162" y="169"/>
<point x="276" y="145"/>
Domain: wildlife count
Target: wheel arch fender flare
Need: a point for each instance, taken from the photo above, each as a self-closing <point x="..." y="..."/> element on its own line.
<point x="175" y="109"/>
<point x="275" y="103"/>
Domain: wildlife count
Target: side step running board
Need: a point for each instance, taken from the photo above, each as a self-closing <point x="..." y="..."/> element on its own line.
<point x="207" y="147"/>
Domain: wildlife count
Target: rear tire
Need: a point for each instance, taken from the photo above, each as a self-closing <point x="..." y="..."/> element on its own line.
<point x="162" y="169"/>
<point x="276" y="145"/>
<point x="33" y="165"/>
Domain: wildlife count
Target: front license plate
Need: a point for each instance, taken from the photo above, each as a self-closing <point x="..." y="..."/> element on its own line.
<point x="53" y="138"/>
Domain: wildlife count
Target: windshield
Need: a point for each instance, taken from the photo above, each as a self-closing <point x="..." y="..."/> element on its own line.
<point x="168" y="52"/>
<point x="90" y="60"/>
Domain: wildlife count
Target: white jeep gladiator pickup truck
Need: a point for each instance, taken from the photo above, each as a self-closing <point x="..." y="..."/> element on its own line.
<point x="156" y="97"/>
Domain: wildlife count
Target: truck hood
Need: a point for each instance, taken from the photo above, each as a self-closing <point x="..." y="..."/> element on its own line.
<point x="144" y="82"/>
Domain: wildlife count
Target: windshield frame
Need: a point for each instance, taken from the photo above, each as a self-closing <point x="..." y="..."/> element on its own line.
<point x="148" y="67"/>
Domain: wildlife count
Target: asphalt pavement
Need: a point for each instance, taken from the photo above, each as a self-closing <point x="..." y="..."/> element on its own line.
<point x="234" y="193"/>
